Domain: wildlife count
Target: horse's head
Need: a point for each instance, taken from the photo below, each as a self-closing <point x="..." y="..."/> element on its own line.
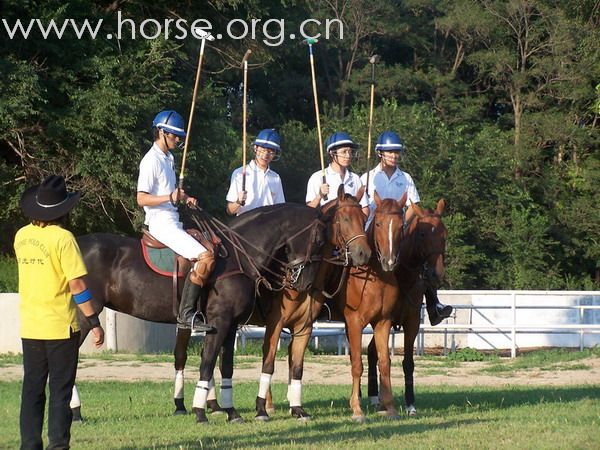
<point x="430" y="236"/>
<point x="303" y="252"/>
<point x="346" y="227"/>
<point x="386" y="230"/>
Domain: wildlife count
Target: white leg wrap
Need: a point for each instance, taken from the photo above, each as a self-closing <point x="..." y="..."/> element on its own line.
<point x="200" y="395"/>
<point x="374" y="400"/>
<point x="295" y="393"/>
<point x="75" y="402"/>
<point x="178" y="384"/>
<point x="263" y="387"/>
<point x="212" y="392"/>
<point x="226" y="393"/>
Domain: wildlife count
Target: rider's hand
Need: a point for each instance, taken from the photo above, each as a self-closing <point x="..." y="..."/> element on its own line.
<point x="324" y="190"/>
<point x="179" y="195"/>
<point x="191" y="200"/>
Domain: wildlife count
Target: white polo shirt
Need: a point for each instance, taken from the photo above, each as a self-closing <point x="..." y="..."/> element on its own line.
<point x="392" y="187"/>
<point x="263" y="187"/>
<point x="351" y="183"/>
<point x="157" y="177"/>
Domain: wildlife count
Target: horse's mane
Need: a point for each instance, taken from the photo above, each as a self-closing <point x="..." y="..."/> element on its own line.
<point x="265" y="211"/>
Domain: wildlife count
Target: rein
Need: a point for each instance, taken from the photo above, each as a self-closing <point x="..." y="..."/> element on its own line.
<point x="292" y="269"/>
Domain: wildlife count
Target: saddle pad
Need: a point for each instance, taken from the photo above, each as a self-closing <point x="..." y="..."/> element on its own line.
<point x="161" y="260"/>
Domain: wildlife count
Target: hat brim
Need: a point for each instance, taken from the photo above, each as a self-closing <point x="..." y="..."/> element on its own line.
<point x="33" y="210"/>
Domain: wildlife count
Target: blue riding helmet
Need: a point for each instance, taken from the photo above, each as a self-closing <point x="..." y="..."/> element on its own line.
<point x="339" y="139"/>
<point x="269" y="138"/>
<point x="171" y="122"/>
<point x="389" y="141"/>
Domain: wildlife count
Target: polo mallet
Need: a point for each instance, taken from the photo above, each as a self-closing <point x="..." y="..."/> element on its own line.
<point x="204" y="36"/>
<point x="372" y="60"/>
<point x="310" y="42"/>
<point x="244" y="106"/>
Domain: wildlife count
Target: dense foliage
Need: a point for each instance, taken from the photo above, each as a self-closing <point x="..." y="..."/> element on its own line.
<point x="498" y="102"/>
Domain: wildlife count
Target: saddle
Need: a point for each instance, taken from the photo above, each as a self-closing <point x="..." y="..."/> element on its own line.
<point x="164" y="261"/>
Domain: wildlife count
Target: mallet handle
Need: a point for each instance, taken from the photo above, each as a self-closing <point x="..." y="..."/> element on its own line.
<point x="314" y="86"/>
<point x="191" y="118"/>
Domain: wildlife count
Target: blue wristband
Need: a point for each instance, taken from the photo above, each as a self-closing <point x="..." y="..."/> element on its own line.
<point x="82" y="297"/>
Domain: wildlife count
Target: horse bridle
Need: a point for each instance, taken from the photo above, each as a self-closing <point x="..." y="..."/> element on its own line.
<point x="294" y="268"/>
<point x="344" y="245"/>
<point x="376" y="244"/>
<point x="423" y="267"/>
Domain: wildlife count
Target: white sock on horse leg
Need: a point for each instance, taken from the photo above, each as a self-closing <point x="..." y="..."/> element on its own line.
<point x="212" y="391"/>
<point x="75" y="401"/>
<point x="265" y="382"/>
<point x="200" y="395"/>
<point x="295" y="393"/>
<point x="178" y="384"/>
<point x="226" y="393"/>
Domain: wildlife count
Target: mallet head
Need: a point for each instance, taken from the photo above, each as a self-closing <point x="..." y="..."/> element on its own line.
<point x="374" y="59"/>
<point x="201" y="34"/>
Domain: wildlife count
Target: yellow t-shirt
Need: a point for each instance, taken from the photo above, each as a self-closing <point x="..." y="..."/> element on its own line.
<point x="48" y="258"/>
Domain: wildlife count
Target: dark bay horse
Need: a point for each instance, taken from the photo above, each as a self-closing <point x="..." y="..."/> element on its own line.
<point x="120" y="279"/>
<point x="297" y="310"/>
<point x="422" y="250"/>
<point x="370" y="298"/>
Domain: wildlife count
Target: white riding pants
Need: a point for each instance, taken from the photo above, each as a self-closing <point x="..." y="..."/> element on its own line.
<point x="172" y="234"/>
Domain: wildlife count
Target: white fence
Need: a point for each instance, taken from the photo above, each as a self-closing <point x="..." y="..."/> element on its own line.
<point x="482" y="320"/>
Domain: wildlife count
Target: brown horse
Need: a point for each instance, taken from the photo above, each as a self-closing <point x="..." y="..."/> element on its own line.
<point x="298" y="310"/>
<point x="370" y="297"/>
<point x="421" y="265"/>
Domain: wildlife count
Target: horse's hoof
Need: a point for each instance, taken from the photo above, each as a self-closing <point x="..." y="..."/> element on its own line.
<point x="270" y="410"/>
<point x="214" y="407"/>
<point x="359" y="418"/>
<point x="237" y="419"/>
<point x="411" y="411"/>
<point x="200" y="415"/>
<point x="77" y="414"/>
<point x="262" y="417"/>
<point x="180" y="412"/>
<point x="233" y="416"/>
<point x="392" y="415"/>
<point x="298" y="413"/>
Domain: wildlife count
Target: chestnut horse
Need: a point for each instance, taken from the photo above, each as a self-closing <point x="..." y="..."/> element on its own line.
<point x="370" y="298"/>
<point x="297" y="310"/>
<point x="421" y="265"/>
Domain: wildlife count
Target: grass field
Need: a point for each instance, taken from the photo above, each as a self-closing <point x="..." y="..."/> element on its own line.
<point x="138" y="415"/>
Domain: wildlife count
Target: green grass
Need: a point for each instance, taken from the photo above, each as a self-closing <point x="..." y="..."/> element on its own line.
<point x="8" y="274"/>
<point x="544" y="360"/>
<point x="138" y="416"/>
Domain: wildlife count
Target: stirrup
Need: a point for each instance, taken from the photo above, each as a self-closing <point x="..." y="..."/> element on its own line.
<point x="201" y="328"/>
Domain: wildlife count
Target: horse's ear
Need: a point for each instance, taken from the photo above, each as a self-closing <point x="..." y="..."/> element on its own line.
<point x="360" y="193"/>
<point x="441" y="206"/>
<point x="417" y="210"/>
<point x="340" y="192"/>
<point x="377" y="199"/>
<point x="402" y="200"/>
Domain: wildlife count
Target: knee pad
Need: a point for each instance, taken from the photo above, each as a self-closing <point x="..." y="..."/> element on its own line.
<point x="203" y="268"/>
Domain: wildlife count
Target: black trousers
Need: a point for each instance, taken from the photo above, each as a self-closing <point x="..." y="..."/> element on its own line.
<point x="55" y="362"/>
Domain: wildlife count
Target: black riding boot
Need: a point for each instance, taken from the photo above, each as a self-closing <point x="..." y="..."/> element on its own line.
<point x="187" y="310"/>
<point x="435" y="310"/>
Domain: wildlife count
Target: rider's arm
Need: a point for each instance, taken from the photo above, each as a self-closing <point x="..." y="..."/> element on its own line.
<point x="145" y="199"/>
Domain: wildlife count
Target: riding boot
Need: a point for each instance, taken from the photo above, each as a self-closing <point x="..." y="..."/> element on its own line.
<point x="435" y="310"/>
<point x="186" y="318"/>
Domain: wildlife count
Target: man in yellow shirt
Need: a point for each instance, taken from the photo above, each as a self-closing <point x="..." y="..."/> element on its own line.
<point x="51" y="287"/>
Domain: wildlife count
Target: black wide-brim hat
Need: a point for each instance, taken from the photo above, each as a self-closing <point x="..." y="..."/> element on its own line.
<point x="49" y="200"/>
